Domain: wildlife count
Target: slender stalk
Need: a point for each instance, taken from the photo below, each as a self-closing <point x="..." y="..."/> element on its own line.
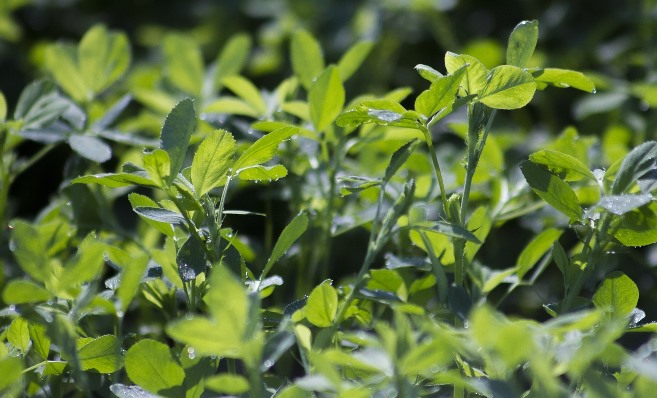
<point x="436" y="167"/>
<point x="32" y="160"/>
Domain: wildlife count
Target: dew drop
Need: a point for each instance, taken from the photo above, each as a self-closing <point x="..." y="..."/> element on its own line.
<point x="268" y="364"/>
<point x="191" y="352"/>
<point x="12" y="308"/>
<point x="595" y="91"/>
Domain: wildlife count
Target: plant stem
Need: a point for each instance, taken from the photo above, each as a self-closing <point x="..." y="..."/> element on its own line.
<point x="436" y="167"/>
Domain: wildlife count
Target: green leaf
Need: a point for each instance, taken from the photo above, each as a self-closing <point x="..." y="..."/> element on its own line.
<point x="151" y="365"/>
<point x="11" y="369"/>
<point x="637" y="163"/>
<point x="400" y="157"/>
<point x="476" y="73"/>
<point x="115" y="180"/>
<point x="160" y="214"/>
<point x="307" y="58"/>
<point x="263" y="173"/>
<point x="424" y="357"/>
<point x="355" y="184"/>
<point x="322" y="305"/>
<point x="441" y="94"/>
<point x="231" y="106"/>
<point x="207" y="337"/>
<point x="568" y="167"/>
<point x="18" y="334"/>
<point x="191" y="259"/>
<point x="353" y="59"/>
<point x="428" y="72"/>
<point x="508" y="87"/>
<point x="448" y="229"/>
<point x="3" y="108"/>
<point x="264" y="149"/>
<point x="91" y="148"/>
<point x="141" y="201"/>
<point x="19" y="291"/>
<point x="232" y="58"/>
<point x="212" y="160"/>
<point x="103" y="56"/>
<point x="86" y="264"/>
<point x="62" y="63"/>
<point x="290" y="234"/>
<point x="522" y="43"/>
<point x="227" y="384"/>
<point x="617" y="293"/>
<point x="30" y="251"/>
<point x="40" y="340"/>
<point x="246" y="91"/>
<point x="39" y="105"/>
<point x="622" y="204"/>
<point x="552" y="189"/>
<point x="637" y="227"/>
<point x="102" y="354"/>
<point x="184" y="63"/>
<point x="536" y="249"/>
<point x="227" y="300"/>
<point x="176" y="132"/>
<point x="563" y="78"/>
<point x="326" y="98"/>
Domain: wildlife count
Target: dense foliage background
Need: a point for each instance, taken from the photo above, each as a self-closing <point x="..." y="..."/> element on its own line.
<point x="614" y="44"/>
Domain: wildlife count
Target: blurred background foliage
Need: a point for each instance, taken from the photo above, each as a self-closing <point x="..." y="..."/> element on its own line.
<point x="614" y="42"/>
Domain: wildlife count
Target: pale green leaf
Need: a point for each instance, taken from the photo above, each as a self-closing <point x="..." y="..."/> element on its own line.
<point x="18" y="291"/>
<point x="428" y="72"/>
<point x="617" y="293"/>
<point x="212" y="160"/>
<point x="441" y="94"/>
<point x="3" y="107"/>
<point x="103" y="56"/>
<point x="264" y="149"/>
<point x="231" y="106"/>
<point x="227" y="301"/>
<point x="353" y="59"/>
<point x="307" y="58"/>
<point x="160" y="214"/>
<point x="563" y="78"/>
<point x="30" y="251"/>
<point x="62" y="63"/>
<point x="150" y="365"/>
<point x="141" y="201"/>
<point x="522" y="43"/>
<point x="183" y="63"/>
<point x="326" y="98"/>
<point x="40" y="340"/>
<point x="247" y="92"/>
<point x="637" y="227"/>
<point x="102" y="354"/>
<point x="232" y="58"/>
<point x="11" y="369"/>
<point x="115" y="180"/>
<point x="227" y="384"/>
<point x="322" y="305"/>
<point x="508" y="87"/>
<point x="535" y="249"/>
<point x="263" y="173"/>
<point x="207" y="337"/>
<point x="476" y="73"/>
<point x="18" y="334"/>
<point x="131" y="277"/>
<point x="562" y="164"/>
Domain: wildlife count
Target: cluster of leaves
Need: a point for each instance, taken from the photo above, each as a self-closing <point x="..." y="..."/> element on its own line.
<point x="184" y="304"/>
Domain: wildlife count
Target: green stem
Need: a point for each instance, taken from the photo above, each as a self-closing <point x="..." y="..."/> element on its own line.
<point x="31" y="161"/>
<point x="436" y="167"/>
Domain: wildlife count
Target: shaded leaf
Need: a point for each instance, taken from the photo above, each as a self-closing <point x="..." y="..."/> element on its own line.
<point x="522" y="43"/>
<point x="448" y="229"/>
<point x="290" y="234"/>
<point x="176" y="132"/>
<point x="191" y="259"/>
<point x="90" y="147"/>
<point x="552" y="189"/>
<point x="633" y="166"/>
<point x="115" y="180"/>
<point x="24" y="291"/>
<point x="400" y="157"/>
<point x="568" y="167"/>
<point x="247" y="92"/>
<point x="227" y="384"/>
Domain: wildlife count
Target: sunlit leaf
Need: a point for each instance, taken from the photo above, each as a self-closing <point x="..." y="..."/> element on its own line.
<point x="150" y="365"/>
<point x="176" y="132"/>
<point x="508" y="87"/>
<point x="326" y="97"/>
<point x="322" y="305"/>
<point x="552" y="189"/>
<point x="522" y="43"/>
<point x="307" y="58"/>
<point x="184" y="63"/>
<point x="617" y="293"/>
<point x="212" y="160"/>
